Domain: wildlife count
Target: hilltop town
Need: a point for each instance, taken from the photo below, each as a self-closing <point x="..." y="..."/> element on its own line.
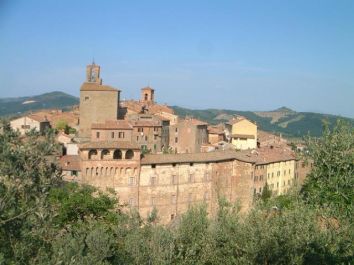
<point x="153" y="158"/>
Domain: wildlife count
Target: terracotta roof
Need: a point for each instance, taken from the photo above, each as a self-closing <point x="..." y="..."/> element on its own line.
<point x="239" y="119"/>
<point x="109" y="144"/>
<point x="110" y="125"/>
<point x="195" y="157"/>
<point x="96" y="87"/>
<point x="269" y="155"/>
<point x="248" y="136"/>
<point x="194" y="121"/>
<point x="215" y="130"/>
<point x="37" y="117"/>
<point x="70" y="162"/>
<point x="136" y="106"/>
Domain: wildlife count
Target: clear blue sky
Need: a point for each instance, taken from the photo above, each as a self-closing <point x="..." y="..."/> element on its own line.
<point x="242" y="55"/>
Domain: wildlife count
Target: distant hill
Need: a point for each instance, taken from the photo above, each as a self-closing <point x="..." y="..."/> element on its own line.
<point x="283" y="120"/>
<point x="20" y="105"/>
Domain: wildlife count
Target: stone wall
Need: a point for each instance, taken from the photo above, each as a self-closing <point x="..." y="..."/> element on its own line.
<point x="97" y="107"/>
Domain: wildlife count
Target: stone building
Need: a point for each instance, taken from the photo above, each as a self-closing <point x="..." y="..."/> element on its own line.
<point x="98" y="102"/>
<point x="113" y="156"/>
<point x="113" y="165"/>
<point x="116" y="130"/>
<point x="148" y="132"/>
<point x="171" y="183"/>
<point x="244" y="133"/>
<point x="29" y="122"/>
<point x="188" y="136"/>
<point x="216" y="134"/>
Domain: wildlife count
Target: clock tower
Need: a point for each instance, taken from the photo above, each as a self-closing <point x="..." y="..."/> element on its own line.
<point x="93" y="73"/>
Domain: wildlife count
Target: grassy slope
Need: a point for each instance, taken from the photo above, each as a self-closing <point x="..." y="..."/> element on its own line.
<point x="298" y="124"/>
<point x="13" y="106"/>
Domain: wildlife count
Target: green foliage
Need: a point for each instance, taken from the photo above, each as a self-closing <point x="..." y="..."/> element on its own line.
<point x="266" y="193"/>
<point x="73" y="202"/>
<point x="62" y="125"/>
<point x="331" y="182"/>
<point x="46" y="221"/>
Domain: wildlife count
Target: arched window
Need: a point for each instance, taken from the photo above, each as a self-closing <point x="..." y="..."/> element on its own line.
<point x="104" y="154"/>
<point x="129" y="154"/>
<point x="117" y="154"/>
<point x="146" y="96"/>
<point x="92" y="152"/>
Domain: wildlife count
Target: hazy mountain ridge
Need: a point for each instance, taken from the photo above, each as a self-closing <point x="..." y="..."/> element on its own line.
<point x="282" y="120"/>
<point x="52" y="100"/>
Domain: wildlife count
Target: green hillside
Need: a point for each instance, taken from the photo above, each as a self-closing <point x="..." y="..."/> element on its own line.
<point x="52" y="100"/>
<point x="283" y="120"/>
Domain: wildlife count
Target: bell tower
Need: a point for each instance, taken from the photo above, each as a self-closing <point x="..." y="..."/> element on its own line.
<point x="147" y="95"/>
<point x="93" y="73"/>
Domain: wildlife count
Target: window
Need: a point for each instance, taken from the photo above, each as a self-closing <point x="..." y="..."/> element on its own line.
<point x="153" y="166"/>
<point x="260" y="190"/>
<point x="206" y="196"/>
<point x="87" y="98"/>
<point x="176" y="130"/>
<point x="156" y="129"/>
<point x="155" y="137"/>
<point x="140" y="129"/>
<point x="206" y="176"/>
<point x="278" y="173"/>
<point x="112" y="134"/>
<point x="289" y="171"/>
<point x="74" y="173"/>
<point x="137" y="138"/>
<point x="172" y="216"/>
<point x="92" y="152"/>
<point x="104" y="154"/>
<point x="272" y="174"/>
<point x="153" y="180"/>
<point x="174" y="164"/>
<point x="129" y="154"/>
<point x="176" y="139"/>
<point x="277" y="184"/>
<point x="146" y="138"/>
<point x="284" y="172"/>
<point x="131" y="202"/>
<point x="131" y="181"/>
<point x="153" y="201"/>
<point x="121" y="135"/>
<point x="191" y="178"/>
<point x="191" y="164"/>
<point x="174" y="179"/>
<point x="117" y="154"/>
<point x="173" y="199"/>
<point x="25" y="126"/>
<point x="97" y="134"/>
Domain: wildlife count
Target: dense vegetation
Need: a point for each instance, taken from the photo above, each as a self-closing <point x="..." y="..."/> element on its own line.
<point x="45" y="221"/>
